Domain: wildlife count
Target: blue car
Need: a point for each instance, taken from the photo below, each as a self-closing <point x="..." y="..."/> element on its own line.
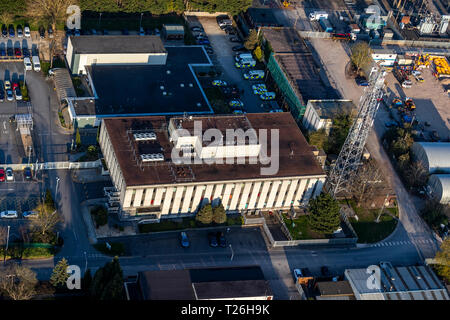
<point x="12" y="34"/>
<point x="184" y="240"/>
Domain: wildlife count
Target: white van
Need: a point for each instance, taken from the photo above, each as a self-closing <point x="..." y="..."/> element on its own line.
<point x="317" y="15"/>
<point x="36" y="63"/>
<point x="241" y="56"/>
<point x="27" y="64"/>
<point x="254" y="74"/>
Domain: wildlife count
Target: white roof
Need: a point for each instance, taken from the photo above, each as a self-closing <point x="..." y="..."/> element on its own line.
<point x="440" y="186"/>
<point x="434" y="155"/>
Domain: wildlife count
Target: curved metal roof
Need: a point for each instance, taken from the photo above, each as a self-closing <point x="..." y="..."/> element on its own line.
<point x="435" y="155"/>
<point x="440" y="184"/>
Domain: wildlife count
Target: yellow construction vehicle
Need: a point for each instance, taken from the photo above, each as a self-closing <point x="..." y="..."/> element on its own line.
<point x="286" y="3"/>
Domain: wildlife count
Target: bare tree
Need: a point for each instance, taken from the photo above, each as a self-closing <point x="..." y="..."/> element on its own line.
<point x="18" y="282"/>
<point x="366" y="179"/>
<point x="49" y="11"/>
<point x="3" y="235"/>
<point x="360" y="55"/>
<point x="6" y="18"/>
<point x="416" y="174"/>
<point x="46" y="219"/>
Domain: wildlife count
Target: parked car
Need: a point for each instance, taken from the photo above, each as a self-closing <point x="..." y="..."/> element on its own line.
<point x="221" y="239"/>
<point x="12" y="33"/>
<point x="25" y="52"/>
<point x="203" y="41"/>
<point x="239" y="48"/>
<point x="212" y="240"/>
<point x="36" y="63"/>
<point x="157" y="33"/>
<point x="234" y="39"/>
<point x="50" y="31"/>
<point x="105" y="32"/>
<point x="4" y="31"/>
<point x="259" y="88"/>
<point x="419" y="79"/>
<point x="19" y="31"/>
<point x="27" y="32"/>
<point x="42" y="32"/>
<point x="389" y="124"/>
<point x="10" y="214"/>
<point x="94" y="32"/>
<point x="10" y="52"/>
<point x="7" y="84"/>
<point x="9" y="174"/>
<point x="2" y="174"/>
<point x="15" y="85"/>
<point x="9" y="95"/>
<point x="197" y="29"/>
<point x="361" y="81"/>
<point x="184" y="240"/>
<point x="2" y="52"/>
<point x="267" y="96"/>
<point x="29" y="214"/>
<point x="219" y="83"/>
<point x="236" y="103"/>
<point x="18" y="94"/>
<point x="77" y="32"/>
<point x="209" y="51"/>
<point x="297" y="274"/>
<point x="17" y="52"/>
<point x="27" y="173"/>
<point x="2" y="95"/>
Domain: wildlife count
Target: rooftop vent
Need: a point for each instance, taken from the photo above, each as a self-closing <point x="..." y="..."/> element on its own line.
<point x="199" y="104"/>
<point x="168" y="71"/>
<point x="182" y="85"/>
<point x="164" y="93"/>
<point x="161" y="87"/>
<point x="152" y="157"/>
<point x="191" y="85"/>
<point x="144" y="136"/>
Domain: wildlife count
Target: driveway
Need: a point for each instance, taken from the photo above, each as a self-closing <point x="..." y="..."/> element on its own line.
<point x="415" y="228"/>
<point x="224" y="57"/>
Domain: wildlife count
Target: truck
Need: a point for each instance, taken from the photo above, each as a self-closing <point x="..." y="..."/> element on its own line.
<point x="316" y="15"/>
<point x="344" y="36"/>
<point x="326" y="25"/>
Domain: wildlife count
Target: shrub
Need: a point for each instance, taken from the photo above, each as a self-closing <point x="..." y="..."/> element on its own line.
<point x="36" y="252"/>
<point x="100" y="215"/>
<point x="205" y="214"/>
<point x="219" y="215"/>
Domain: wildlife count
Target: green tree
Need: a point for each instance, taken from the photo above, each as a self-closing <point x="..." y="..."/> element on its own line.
<point x="338" y="134"/>
<point x="219" y="215"/>
<point x="443" y="260"/>
<point x="100" y="215"/>
<point x="107" y="283"/>
<point x="324" y="214"/>
<point x="361" y="55"/>
<point x="252" y="40"/>
<point x="59" y="275"/>
<point x="434" y="214"/>
<point x="78" y="138"/>
<point x="49" y="200"/>
<point x="205" y="214"/>
<point x="318" y="138"/>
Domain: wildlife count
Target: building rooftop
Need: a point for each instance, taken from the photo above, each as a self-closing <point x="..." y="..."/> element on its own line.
<point x="262" y="17"/>
<point x="150" y="89"/>
<point x="330" y="108"/>
<point x="207" y="283"/>
<point x="117" y="44"/>
<point x="285" y="40"/>
<point x="303" y="74"/>
<point x="176" y="28"/>
<point x="295" y="155"/>
<point x="334" y="288"/>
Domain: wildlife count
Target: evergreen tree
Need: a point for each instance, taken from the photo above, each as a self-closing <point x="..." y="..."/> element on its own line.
<point x="49" y="203"/>
<point x="78" y="138"/>
<point x="205" y="214"/>
<point x="324" y="214"/>
<point x="60" y="275"/>
<point x="252" y="40"/>
<point x="108" y="282"/>
<point x="219" y="215"/>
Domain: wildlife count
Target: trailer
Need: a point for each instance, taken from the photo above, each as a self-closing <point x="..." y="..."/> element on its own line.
<point x="326" y="25"/>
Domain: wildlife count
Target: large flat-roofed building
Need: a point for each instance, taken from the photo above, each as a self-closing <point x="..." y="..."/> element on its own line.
<point x="84" y="51"/>
<point x="164" y="169"/>
<point x="231" y="283"/>
<point x="171" y="88"/>
<point x="397" y="283"/>
<point x="294" y="70"/>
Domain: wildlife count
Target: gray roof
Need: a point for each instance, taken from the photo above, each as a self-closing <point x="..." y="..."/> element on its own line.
<point x="117" y="44"/>
<point x="334" y="288"/>
<point x="332" y="107"/>
<point x="434" y="155"/>
<point x="166" y="285"/>
<point x="232" y="289"/>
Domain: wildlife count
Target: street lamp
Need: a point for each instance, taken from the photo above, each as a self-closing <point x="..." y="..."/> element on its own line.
<point x="140" y="22"/>
<point x="57" y="183"/>
<point x="99" y="20"/>
<point x="232" y="253"/>
<point x="85" y="258"/>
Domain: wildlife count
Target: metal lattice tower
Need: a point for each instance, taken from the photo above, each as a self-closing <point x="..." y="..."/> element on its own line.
<point x="350" y="156"/>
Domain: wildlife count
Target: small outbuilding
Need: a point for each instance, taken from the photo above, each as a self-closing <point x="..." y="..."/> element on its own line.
<point x="440" y="187"/>
<point x="173" y="32"/>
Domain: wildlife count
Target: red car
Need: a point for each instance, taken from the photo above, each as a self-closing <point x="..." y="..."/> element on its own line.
<point x="2" y="175"/>
<point x="15" y="85"/>
<point x="17" y="52"/>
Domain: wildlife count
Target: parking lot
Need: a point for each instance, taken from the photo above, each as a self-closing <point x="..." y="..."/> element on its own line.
<point x="224" y="58"/>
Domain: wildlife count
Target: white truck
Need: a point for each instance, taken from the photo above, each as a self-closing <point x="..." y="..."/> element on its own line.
<point x="317" y="15"/>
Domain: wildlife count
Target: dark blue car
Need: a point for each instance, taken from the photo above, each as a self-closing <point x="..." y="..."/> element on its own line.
<point x="361" y="81"/>
<point x="12" y="33"/>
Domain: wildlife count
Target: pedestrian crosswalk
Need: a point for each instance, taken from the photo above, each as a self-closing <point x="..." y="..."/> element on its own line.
<point x="401" y="243"/>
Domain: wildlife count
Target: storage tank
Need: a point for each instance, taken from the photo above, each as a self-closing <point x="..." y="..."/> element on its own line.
<point x="440" y="187"/>
<point x="435" y="156"/>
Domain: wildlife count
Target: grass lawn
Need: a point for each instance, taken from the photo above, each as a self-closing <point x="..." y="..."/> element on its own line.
<point x="301" y="229"/>
<point x="368" y="230"/>
<point x="186" y="223"/>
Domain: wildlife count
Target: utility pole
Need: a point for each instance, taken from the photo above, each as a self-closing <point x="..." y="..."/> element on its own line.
<point x="140" y="22"/>
<point x="232" y="253"/>
<point x="85" y="258"/>
<point x="57" y="183"/>
<point x="100" y="19"/>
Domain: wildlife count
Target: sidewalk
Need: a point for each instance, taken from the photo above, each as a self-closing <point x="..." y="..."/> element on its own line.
<point x="89" y="175"/>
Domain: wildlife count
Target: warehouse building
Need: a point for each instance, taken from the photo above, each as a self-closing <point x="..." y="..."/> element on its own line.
<point x="227" y="283"/>
<point x="159" y="173"/>
<point x="384" y="57"/>
<point x="397" y="283"/>
<point x="173" y="31"/>
<point x="129" y="89"/>
<point x="294" y="70"/>
<point x="435" y="156"/>
<point x="319" y="114"/>
<point x="440" y="187"/>
<point x="85" y="51"/>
